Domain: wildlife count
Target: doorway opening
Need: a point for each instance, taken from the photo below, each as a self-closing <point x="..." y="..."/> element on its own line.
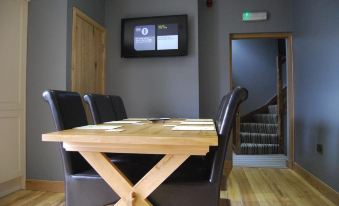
<point x="263" y="132"/>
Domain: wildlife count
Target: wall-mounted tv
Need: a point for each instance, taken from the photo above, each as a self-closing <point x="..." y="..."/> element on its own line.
<point x="154" y="36"/>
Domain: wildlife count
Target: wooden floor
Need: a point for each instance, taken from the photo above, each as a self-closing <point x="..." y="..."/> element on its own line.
<point x="33" y="198"/>
<point x="246" y="187"/>
<point x="271" y="187"/>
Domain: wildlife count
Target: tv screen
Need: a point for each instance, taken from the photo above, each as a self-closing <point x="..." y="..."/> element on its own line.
<point x="154" y="36"/>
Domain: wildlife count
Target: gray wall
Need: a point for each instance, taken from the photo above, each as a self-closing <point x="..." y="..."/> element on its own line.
<point x="138" y="80"/>
<point x="215" y="26"/>
<point x="94" y="9"/>
<point x="316" y="66"/>
<point x="254" y="67"/>
<point x="49" y="67"/>
<point x="46" y="68"/>
<point x="153" y="87"/>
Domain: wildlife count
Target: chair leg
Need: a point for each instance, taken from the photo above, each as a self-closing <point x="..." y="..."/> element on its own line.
<point x="223" y="185"/>
<point x="226" y="172"/>
<point x="225" y="202"/>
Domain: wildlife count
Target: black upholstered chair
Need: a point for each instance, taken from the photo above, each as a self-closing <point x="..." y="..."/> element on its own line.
<point x="119" y="107"/>
<point x="221" y="108"/>
<point x="106" y="108"/>
<point x="83" y="186"/>
<point x="201" y="185"/>
<point x="101" y="108"/>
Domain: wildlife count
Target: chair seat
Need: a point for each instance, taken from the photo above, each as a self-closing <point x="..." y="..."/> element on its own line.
<point x="88" y="189"/>
<point x="198" y="193"/>
<point x="134" y="169"/>
<point x="192" y="175"/>
<point x="140" y="158"/>
<point x="194" y="169"/>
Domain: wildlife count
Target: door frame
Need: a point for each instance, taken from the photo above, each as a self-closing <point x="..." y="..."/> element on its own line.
<point x="290" y="79"/>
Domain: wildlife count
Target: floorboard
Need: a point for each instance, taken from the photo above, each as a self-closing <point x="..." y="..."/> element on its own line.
<point x="246" y="187"/>
<point x="267" y="187"/>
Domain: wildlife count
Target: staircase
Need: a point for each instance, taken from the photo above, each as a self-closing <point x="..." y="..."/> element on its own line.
<point x="259" y="133"/>
<point x="258" y="138"/>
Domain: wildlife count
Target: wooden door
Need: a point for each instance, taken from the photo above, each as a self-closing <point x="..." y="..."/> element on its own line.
<point x="13" y="41"/>
<point x="88" y="54"/>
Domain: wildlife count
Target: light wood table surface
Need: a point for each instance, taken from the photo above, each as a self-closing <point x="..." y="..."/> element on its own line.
<point x="146" y="138"/>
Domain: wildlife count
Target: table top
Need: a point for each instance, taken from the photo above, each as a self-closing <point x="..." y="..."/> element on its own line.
<point x="147" y="133"/>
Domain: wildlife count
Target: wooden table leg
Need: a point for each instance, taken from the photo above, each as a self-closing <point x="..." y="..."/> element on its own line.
<point x="157" y="175"/>
<point x="114" y="178"/>
<point x="133" y="196"/>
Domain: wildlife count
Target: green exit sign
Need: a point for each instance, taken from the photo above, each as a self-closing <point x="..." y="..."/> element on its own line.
<point x="254" y="16"/>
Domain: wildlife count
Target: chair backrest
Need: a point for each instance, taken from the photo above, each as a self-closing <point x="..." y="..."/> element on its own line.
<point x="101" y="107"/>
<point x="119" y="107"/>
<point x="67" y="112"/>
<point x="227" y="117"/>
<point x="221" y="110"/>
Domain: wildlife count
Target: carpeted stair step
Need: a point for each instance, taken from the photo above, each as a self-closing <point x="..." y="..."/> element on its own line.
<point x="250" y="148"/>
<point x="259" y="128"/>
<point x="259" y="138"/>
<point x="273" y="109"/>
<point x="265" y="118"/>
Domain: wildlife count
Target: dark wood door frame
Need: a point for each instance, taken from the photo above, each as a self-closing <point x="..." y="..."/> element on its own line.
<point x="290" y="79"/>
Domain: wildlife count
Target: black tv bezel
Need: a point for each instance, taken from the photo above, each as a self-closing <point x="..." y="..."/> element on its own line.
<point x="127" y="31"/>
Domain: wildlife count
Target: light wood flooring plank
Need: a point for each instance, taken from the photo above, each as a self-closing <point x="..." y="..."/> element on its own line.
<point x="33" y="198"/>
<point x="266" y="187"/>
<point x="246" y="187"/>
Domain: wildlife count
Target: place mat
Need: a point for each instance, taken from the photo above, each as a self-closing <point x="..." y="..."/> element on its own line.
<point x="170" y="125"/>
<point x="124" y="122"/>
<point x="197" y="123"/>
<point x="193" y="128"/>
<point x="136" y="119"/>
<point x="115" y="130"/>
<point x="105" y="127"/>
<point x="200" y="120"/>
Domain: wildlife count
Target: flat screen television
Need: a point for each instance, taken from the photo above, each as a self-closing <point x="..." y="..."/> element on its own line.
<point x="154" y="36"/>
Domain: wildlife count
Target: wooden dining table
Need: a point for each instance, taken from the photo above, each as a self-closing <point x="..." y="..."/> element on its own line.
<point x="143" y="137"/>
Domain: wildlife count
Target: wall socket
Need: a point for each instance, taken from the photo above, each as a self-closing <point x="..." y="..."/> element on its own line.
<point x="320" y="148"/>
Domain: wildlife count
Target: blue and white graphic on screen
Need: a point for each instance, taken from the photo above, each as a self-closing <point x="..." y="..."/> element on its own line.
<point x="144" y="38"/>
<point x="167" y="37"/>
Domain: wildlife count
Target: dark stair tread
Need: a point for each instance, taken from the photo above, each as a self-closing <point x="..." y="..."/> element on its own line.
<point x="257" y="133"/>
<point x="259" y="138"/>
<point x="256" y="145"/>
<point x="266" y="118"/>
<point x="250" y="148"/>
<point x="262" y="118"/>
<point x="259" y="128"/>
<point x="254" y="123"/>
<point x="258" y="141"/>
<point x="265" y="114"/>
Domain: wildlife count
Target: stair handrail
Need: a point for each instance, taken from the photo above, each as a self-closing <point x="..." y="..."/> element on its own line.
<point x="264" y="108"/>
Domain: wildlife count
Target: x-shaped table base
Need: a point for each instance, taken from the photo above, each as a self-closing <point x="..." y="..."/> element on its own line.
<point x="133" y="195"/>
